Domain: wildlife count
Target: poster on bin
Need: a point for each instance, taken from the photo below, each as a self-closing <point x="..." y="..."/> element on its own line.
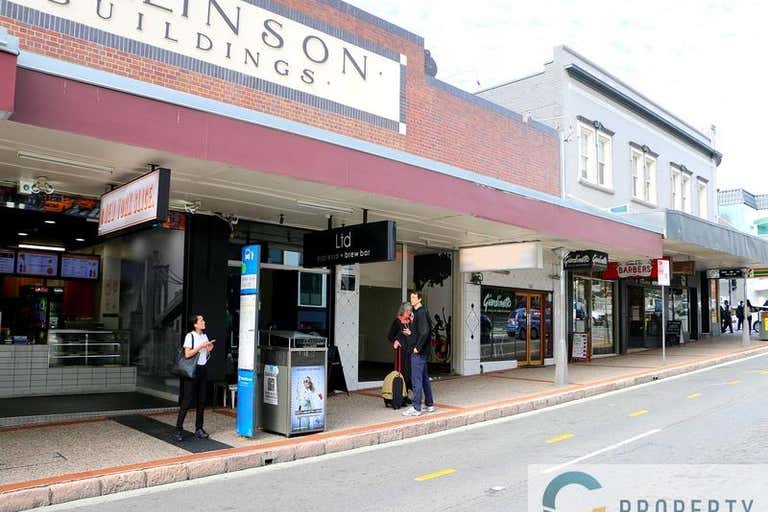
<point x="307" y="398"/>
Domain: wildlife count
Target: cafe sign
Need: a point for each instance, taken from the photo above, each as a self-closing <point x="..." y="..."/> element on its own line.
<point x="361" y="243"/>
<point x="143" y="200"/>
<point x="586" y="260"/>
<point x="268" y="44"/>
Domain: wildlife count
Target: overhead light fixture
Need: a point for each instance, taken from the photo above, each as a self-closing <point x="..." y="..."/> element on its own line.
<point x="50" y="221"/>
<point x="325" y="207"/>
<point x="42" y="247"/>
<point x="21" y="233"/>
<point x="50" y="159"/>
<point x="79" y="239"/>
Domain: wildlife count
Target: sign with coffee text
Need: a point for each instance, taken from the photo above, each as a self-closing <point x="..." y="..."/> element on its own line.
<point x="140" y="201"/>
<point x="360" y="243"/>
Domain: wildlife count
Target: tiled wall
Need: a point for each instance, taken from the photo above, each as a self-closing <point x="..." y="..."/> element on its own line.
<point x="24" y="371"/>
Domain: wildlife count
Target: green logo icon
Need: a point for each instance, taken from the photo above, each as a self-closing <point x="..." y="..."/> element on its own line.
<point x="571" y="478"/>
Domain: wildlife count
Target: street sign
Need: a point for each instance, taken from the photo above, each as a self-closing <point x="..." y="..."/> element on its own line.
<point x="663" y="272"/>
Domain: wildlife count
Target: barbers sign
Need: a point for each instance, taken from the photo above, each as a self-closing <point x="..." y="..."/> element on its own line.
<point x="281" y="47"/>
<point x="586" y="260"/>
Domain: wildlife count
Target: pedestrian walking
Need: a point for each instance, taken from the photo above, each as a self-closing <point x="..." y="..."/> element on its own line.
<point x="421" y="330"/>
<point x="193" y="391"/>
<point x="401" y="337"/>
<point x="725" y="311"/>
<point x="750" y="309"/>
<point x="740" y="316"/>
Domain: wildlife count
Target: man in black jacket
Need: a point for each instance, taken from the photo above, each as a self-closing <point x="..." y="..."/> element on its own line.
<point x="421" y="350"/>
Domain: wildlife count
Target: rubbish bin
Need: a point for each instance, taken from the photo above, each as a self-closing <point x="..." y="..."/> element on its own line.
<point x="295" y="369"/>
<point x="763" y="328"/>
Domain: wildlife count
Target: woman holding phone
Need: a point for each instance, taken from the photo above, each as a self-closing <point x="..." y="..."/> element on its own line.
<point x="196" y="344"/>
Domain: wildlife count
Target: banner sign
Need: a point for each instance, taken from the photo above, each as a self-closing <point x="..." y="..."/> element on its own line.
<point x="632" y="269"/>
<point x="361" y="243"/>
<point x="140" y="201"/>
<point x="662" y="271"/>
<point x="586" y="260"/>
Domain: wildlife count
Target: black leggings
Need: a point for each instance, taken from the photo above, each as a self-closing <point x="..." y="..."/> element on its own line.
<point x="193" y="391"/>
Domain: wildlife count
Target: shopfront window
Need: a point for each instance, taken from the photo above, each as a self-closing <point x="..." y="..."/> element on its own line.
<point x="593" y="303"/>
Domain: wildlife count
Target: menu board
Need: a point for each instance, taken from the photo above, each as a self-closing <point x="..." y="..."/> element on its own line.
<point x="37" y="264"/>
<point x="580" y="346"/>
<point x="7" y="262"/>
<point x="80" y="267"/>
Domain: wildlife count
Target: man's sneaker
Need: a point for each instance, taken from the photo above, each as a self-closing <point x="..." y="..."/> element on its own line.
<point x="430" y="408"/>
<point x="411" y="412"/>
<point x="178" y="436"/>
<point x="201" y="434"/>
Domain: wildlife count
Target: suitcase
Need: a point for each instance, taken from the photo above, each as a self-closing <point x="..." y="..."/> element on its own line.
<point x="394" y="391"/>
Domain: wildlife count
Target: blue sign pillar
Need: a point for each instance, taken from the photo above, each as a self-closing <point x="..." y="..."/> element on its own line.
<point x="248" y="397"/>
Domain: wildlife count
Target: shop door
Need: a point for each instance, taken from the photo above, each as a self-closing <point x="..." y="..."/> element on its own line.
<point x="529" y="312"/>
<point x="636" y="317"/>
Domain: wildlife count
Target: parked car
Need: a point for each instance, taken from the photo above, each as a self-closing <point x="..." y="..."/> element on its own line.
<point x="517" y="324"/>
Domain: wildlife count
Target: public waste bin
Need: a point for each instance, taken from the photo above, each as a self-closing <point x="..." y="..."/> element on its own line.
<point x="294" y="370"/>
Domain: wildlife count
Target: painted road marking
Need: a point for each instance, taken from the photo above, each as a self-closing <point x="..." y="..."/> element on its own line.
<point x="601" y="451"/>
<point x="557" y="439"/>
<point x="436" y="474"/>
<point x="764" y="372"/>
<point x="733" y="382"/>
<point x="638" y="413"/>
<point x="694" y="395"/>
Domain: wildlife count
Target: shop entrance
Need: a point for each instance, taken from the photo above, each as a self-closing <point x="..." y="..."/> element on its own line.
<point x="645" y="317"/>
<point x="526" y="326"/>
<point x="593" y="313"/>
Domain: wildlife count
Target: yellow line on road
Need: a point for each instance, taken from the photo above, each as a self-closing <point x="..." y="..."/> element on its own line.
<point x="557" y="439"/>
<point x="764" y="372"/>
<point x="436" y="474"/>
<point x="694" y="395"/>
<point x="638" y="413"/>
<point x="734" y="382"/>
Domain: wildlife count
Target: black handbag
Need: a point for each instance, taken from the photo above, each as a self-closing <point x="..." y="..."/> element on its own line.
<point x="185" y="367"/>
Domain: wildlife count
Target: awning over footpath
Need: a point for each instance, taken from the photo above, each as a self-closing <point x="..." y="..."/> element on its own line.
<point x="9" y="50"/>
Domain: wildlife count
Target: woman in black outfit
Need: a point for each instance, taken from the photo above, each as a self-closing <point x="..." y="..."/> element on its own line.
<point x="401" y="339"/>
<point x="196" y="344"/>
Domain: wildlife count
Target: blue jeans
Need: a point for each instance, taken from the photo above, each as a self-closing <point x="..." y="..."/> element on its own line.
<point x="420" y="379"/>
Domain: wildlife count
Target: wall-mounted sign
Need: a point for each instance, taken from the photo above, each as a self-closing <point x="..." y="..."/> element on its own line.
<point x="140" y="201"/>
<point x="686" y="268"/>
<point x="643" y="269"/>
<point x="586" y="260"/>
<point x="80" y="267"/>
<point x="497" y="300"/>
<point x="7" y="262"/>
<point x="501" y="257"/>
<point x="37" y="264"/>
<point x="731" y="273"/>
<point x="361" y="243"/>
<point x="245" y="37"/>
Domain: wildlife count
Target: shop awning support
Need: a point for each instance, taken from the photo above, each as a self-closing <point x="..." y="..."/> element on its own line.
<point x="746" y="329"/>
<point x="561" y="347"/>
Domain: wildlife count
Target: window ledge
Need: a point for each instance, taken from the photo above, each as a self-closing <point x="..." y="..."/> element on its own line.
<point x="644" y="202"/>
<point x="595" y="186"/>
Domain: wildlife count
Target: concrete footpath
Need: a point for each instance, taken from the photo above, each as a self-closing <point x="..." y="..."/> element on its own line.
<point x="54" y="463"/>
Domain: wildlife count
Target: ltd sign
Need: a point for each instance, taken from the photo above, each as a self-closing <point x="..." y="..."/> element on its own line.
<point x="586" y="260"/>
<point x="361" y="243"/>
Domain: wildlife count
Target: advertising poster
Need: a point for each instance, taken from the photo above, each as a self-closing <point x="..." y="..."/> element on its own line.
<point x="270" y="384"/>
<point x="7" y="262"/>
<point x="37" y="264"/>
<point x="307" y="398"/>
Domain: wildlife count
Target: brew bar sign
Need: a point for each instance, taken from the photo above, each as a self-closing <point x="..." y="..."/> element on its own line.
<point x="238" y="35"/>
<point x="586" y="260"/>
<point x="361" y="243"/>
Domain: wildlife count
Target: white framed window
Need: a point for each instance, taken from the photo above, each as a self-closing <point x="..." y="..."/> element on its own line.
<point x="643" y="176"/>
<point x="701" y="195"/>
<point x="595" y="156"/>
<point x="681" y="190"/>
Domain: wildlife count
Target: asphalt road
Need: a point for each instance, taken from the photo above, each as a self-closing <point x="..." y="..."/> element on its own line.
<point x="715" y="416"/>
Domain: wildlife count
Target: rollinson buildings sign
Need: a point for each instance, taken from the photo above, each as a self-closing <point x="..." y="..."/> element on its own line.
<point x="245" y="37"/>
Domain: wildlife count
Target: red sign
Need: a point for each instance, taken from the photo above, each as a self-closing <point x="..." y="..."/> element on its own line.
<point x="142" y="200"/>
<point x="632" y="269"/>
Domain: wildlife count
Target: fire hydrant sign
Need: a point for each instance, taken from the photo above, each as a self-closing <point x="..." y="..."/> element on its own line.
<point x="140" y="201"/>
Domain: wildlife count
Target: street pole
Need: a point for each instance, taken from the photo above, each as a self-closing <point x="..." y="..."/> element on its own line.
<point x="561" y="347"/>
<point x="663" y="327"/>
<point x="746" y="330"/>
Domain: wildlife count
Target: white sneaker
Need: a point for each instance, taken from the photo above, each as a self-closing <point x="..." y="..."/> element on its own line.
<point x="430" y="408"/>
<point x="411" y="412"/>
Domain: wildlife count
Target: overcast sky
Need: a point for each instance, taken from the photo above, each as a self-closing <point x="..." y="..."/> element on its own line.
<point x="697" y="59"/>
